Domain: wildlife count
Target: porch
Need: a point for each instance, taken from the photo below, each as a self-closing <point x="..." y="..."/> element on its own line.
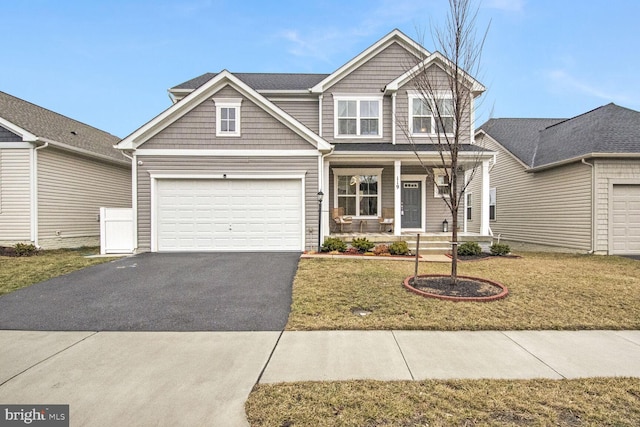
<point x="430" y="243"/>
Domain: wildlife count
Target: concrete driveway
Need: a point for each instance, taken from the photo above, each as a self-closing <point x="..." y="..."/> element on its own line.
<point x="161" y="292"/>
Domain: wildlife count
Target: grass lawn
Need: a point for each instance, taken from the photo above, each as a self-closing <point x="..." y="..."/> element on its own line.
<point x="19" y="272"/>
<point x="584" y="402"/>
<point x="546" y="291"/>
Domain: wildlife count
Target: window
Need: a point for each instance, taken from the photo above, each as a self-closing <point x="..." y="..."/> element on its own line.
<point x="492" y="204"/>
<point x="227" y="116"/>
<point x="424" y="120"/>
<point x="440" y="183"/>
<point x="469" y="211"/>
<point x="358" y="117"/>
<point x="358" y="191"/>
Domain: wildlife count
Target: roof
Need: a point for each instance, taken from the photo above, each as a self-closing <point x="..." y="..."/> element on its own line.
<point x="609" y="129"/>
<point x="49" y="126"/>
<point x="261" y="81"/>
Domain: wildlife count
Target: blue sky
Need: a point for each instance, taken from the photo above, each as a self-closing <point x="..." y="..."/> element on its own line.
<point x="109" y="63"/>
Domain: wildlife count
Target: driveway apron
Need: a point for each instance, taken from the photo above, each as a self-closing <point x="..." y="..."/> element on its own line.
<point x="161" y="292"/>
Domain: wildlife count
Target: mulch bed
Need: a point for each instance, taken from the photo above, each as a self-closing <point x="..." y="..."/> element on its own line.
<point x="483" y="256"/>
<point x="466" y="288"/>
<point x="7" y="251"/>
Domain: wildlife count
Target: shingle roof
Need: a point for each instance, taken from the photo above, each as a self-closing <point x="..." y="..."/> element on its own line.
<point x="609" y="129"/>
<point x="47" y="124"/>
<point x="262" y="81"/>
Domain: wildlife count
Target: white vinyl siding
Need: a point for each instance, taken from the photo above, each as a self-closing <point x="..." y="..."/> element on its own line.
<point x="72" y="188"/>
<point x="15" y="195"/>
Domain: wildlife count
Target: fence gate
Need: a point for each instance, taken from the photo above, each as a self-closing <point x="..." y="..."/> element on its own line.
<point x="116" y="230"/>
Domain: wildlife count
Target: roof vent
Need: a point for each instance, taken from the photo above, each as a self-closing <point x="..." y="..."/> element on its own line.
<point x="73" y="132"/>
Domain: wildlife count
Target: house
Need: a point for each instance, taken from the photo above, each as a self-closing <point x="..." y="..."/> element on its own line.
<point x="568" y="183"/>
<point x="255" y="161"/>
<point x="55" y="174"/>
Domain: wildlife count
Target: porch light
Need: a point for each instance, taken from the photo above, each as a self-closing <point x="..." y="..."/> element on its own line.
<point x="445" y="226"/>
<point x="320" y="196"/>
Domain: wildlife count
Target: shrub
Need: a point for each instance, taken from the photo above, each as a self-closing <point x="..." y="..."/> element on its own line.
<point x="363" y="245"/>
<point x="381" y="250"/>
<point x="25" y="249"/>
<point x="399" y="248"/>
<point x="469" y="249"/>
<point x="499" y="249"/>
<point x="332" y="244"/>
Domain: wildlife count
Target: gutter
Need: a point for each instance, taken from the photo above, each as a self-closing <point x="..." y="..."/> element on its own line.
<point x="34" y="194"/>
<point x="593" y="205"/>
<point x="585" y="157"/>
<point x="82" y="151"/>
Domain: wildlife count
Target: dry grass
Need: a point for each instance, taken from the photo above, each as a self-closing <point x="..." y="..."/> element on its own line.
<point x="20" y="272"/>
<point x="584" y="402"/>
<point x="547" y="291"/>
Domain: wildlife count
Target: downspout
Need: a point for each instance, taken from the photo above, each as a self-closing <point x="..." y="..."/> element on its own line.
<point x="34" y="193"/>
<point x="593" y="205"/>
<point x="393" y="118"/>
<point x="134" y="196"/>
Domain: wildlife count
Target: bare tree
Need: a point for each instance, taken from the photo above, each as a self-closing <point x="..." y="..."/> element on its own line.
<point x="449" y="102"/>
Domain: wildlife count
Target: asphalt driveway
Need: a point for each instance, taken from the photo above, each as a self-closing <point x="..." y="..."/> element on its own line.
<point x="161" y="292"/>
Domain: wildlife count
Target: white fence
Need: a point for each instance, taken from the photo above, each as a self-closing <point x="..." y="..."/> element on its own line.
<point x="116" y="231"/>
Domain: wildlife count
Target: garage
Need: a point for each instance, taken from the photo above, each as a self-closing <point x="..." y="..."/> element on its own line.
<point x="228" y="215"/>
<point x="625" y="224"/>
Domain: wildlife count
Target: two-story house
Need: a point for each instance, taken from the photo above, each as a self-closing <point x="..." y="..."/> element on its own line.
<point x="253" y="161"/>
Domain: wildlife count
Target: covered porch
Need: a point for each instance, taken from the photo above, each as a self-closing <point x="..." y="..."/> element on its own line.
<point x="388" y="195"/>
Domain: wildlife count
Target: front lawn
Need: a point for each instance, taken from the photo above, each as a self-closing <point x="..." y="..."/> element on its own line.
<point x="19" y="272"/>
<point x="547" y="291"/>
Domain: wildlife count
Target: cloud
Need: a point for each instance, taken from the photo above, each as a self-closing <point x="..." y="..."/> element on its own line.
<point x="564" y="81"/>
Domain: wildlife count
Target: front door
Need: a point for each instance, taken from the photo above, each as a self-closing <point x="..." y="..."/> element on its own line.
<point x="411" y="204"/>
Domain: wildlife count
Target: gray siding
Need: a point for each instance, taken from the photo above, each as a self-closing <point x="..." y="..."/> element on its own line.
<point x="306" y="112"/>
<point x="8" y="136"/>
<point x="206" y="164"/>
<point x="15" y="191"/>
<point x="196" y="129"/>
<point x="71" y="189"/>
<point x="370" y="78"/>
<point x="552" y="207"/>
<point x="609" y="172"/>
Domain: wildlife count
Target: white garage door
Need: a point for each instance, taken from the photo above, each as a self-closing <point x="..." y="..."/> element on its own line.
<point x="229" y="214"/>
<point x="626" y="219"/>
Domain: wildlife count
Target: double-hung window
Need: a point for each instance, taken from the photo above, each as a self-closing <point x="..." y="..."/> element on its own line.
<point x="358" y="191"/>
<point x="441" y="186"/>
<point x="469" y="201"/>
<point x="227" y="116"/>
<point x="429" y="117"/>
<point x="358" y="116"/>
<point x="492" y="204"/>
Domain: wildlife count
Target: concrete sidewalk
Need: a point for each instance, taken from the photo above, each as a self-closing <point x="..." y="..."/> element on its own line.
<point x="418" y="355"/>
<point x="204" y="378"/>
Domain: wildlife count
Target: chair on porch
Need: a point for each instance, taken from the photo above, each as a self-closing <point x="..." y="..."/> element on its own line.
<point x="386" y="220"/>
<point x="340" y="219"/>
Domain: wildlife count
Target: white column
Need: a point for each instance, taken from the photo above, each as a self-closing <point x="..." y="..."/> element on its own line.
<point x="484" y="213"/>
<point x="326" y="189"/>
<point x="397" y="197"/>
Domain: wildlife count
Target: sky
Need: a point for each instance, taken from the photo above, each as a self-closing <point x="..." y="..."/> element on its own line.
<point x="109" y="63"/>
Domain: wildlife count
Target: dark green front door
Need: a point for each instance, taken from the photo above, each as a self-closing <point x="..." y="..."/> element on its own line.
<point x="411" y="204"/>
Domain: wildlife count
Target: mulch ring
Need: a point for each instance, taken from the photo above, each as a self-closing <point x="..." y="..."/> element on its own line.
<point x="483" y="256"/>
<point x="466" y="289"/>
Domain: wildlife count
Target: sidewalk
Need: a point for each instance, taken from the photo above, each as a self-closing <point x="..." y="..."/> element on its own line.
<point x="419" y="355"/>
<point x="204" y="378"/>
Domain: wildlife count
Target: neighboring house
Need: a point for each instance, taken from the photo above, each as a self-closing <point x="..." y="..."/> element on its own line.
<point x="570" y="183"/>
<point x="55" y="174"/>
<point x="238" y="161"/>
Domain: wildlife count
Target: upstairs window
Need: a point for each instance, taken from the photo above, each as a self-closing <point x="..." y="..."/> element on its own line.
<point x="227" y="116"/>
<point x="424" y="120"/>
<point x="358" y="117"/>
